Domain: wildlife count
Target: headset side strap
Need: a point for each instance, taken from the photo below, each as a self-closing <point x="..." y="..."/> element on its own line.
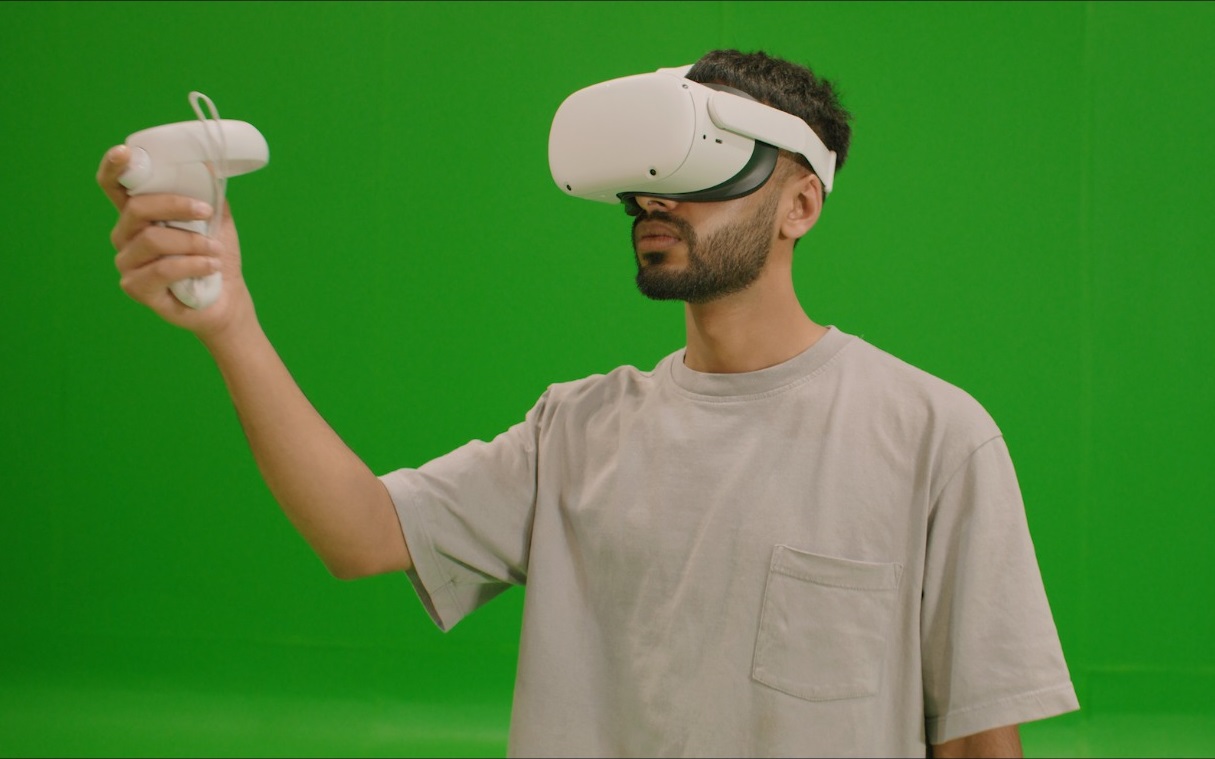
<point x="753" y="119"/>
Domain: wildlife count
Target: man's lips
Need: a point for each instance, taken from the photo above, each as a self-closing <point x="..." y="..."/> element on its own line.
<point x="653" y="235"/>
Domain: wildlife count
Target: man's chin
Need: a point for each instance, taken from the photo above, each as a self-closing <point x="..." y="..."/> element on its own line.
<point x="655" y="286"/>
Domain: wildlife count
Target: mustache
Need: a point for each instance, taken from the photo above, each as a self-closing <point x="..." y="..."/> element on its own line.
<point x="679" y="225"/>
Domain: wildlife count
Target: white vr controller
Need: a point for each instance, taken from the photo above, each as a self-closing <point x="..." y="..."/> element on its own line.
<point x="194" y="158"/>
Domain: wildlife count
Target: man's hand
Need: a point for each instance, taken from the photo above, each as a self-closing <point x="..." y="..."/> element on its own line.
<point x="152" y="256"/>
<point x="999" y="742"/>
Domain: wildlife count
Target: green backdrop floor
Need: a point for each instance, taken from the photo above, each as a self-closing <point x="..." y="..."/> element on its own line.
<point x="178" y="698"/>
<point x="65" y="720"/>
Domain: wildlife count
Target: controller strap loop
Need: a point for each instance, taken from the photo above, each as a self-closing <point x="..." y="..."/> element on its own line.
<point x="218" y="165"/>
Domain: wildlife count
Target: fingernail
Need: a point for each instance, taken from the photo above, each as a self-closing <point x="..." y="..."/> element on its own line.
<point x="116" y="153"/>
<point x="201" y="209"/>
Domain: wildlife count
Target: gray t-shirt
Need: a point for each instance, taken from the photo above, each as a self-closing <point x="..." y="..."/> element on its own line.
<point x="826" y="557"/>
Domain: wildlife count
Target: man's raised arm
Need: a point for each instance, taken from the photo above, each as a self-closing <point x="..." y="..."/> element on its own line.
<point x="336" y="502"/>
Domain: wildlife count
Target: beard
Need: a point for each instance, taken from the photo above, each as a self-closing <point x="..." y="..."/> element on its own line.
<point x="725" y="262"/>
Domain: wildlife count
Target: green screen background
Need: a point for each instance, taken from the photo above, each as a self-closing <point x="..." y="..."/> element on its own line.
<point x="1026" y="212"/>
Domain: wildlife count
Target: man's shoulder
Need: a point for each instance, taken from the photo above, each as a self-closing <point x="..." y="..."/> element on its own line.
<point x="913" y="389"/>
<point x="594" y="389"/>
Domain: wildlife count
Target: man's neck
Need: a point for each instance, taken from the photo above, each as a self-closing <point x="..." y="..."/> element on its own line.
<point x="760" y="327"/>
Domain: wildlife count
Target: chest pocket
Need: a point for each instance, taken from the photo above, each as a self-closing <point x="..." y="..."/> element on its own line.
<point x="825" y="624"/>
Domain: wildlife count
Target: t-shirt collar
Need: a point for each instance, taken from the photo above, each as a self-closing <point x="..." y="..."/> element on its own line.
<point x="763" y="381"/>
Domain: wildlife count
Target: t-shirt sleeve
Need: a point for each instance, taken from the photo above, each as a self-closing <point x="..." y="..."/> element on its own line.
<point x="991" y="652"/>
<point x="467" y="520"/>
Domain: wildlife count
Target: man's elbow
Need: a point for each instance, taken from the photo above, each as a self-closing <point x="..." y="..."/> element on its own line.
<point x="354" y="564"/>
<point x="344" y="569"/>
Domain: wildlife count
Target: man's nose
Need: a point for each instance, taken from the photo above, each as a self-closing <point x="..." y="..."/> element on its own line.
<point x="649" y="203"/>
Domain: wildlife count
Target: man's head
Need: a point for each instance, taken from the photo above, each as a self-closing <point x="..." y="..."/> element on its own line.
<point x="698" y="251"/>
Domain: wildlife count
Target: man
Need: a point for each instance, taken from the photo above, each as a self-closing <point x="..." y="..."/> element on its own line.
<point x="780" y="541"/>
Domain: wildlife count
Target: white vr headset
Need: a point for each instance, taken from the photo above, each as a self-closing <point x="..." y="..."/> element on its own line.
<point x="666" y="136"/>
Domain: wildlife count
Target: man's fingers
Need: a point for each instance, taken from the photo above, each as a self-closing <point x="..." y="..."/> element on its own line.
<point x="148" y="282"/>
<point x="113" y="163"/>
<point x="143" y="211"/>
<point x="157" y="242"/>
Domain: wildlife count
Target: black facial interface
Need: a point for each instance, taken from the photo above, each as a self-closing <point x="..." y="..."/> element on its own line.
<point x="749" y="179"/>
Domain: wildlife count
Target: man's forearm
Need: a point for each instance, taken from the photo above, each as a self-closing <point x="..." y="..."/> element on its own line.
<point x="325" y="489"/>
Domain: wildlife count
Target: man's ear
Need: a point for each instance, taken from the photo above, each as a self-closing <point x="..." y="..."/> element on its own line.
<point x="803" y="204"/>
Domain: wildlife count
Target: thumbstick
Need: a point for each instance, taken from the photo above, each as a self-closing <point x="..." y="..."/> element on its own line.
<point x="139" y="170"/>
